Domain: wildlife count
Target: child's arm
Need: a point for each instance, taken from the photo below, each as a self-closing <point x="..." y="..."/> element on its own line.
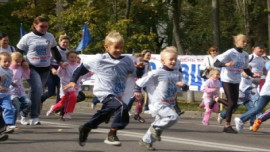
<point x="81" y="70"/>
<point x="206" y="87"/>
<point x="25" y="73"/>
<point x="61" y="71"/>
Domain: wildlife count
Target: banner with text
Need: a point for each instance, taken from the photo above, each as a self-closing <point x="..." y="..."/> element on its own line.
<point x="190" y="67"/>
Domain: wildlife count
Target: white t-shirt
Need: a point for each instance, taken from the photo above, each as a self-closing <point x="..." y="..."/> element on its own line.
<point x="232" y="74"/>
<point x="37" y="48"/>
<point x="266" y="87"/>
<point x="9" y="49"/>
<point x="208" y="61"/>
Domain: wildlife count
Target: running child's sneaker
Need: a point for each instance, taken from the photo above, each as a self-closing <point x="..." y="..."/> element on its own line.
<point x="219" y="118"/>
<point x="49" y="111"/>
<point x="112" y="140"/>
<point x="146" y="145"/>
<point x="239" y="125"/>
<point x="155" y="133"/>
<point x="34" y="121"/>
<point x="3" y="137"/>
<point x="83" y="134"/>
<point x="67" y="116"/>
<point x="24" y="121"/>
<point x="139" y="118"/>
<point x="256" y="125"/>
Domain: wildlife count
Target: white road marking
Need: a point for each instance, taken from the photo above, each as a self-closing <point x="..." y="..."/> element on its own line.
<point x="198" y="143"/>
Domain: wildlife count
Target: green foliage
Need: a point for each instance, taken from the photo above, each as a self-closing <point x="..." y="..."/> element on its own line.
<point x="148" y="26"/>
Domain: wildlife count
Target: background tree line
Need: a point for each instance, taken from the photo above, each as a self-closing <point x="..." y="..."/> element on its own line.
<point x="191" y="25"/>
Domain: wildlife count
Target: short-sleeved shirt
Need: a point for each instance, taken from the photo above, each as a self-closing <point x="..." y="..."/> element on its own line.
<point x="232" y="74"/>
<point x="110" y="74"/>
<point x="37" y="48"/>
<point x="9" y="49"/>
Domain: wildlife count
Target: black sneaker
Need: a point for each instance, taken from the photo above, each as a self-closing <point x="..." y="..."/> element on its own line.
<point x="3" y="137"/>
<point x="146" y="145"/>
<point x="112" y="140"/>
<point x="83" y="134"/>
<point x="139" y="118"/>
<point x="229" y="130"/>
<point x="156" y="133"/>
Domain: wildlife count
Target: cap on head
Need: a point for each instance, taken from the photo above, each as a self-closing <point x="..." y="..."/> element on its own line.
<point x="259" y="45"/>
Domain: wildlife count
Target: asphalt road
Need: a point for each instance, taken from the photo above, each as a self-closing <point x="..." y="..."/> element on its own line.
<point x="188" y="135"/>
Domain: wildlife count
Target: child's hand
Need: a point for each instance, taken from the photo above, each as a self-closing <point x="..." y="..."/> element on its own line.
<point x="138" y="95"/>
<point x="2" y="78"/>
<point x="25" y="65"/>
<point x="139" y="64"/>
<point x="231" y="63"/>
<point x="180" y="84"/>
<point x="214" y="89"/>
<point x="69" y="85"/>
<point x="256" y="75"/>
<point x="2" y="88"/>
<point x="64" y="65"/>
<point x="53" y="71"/>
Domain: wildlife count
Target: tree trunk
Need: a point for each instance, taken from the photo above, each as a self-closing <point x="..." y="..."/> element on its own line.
<point x="242" y="7"/>
<point x="215" y="13"/>
<point x="59" y="7"/>
<point x="268" y="8"/>
<point x="115" y="4"/>
<point x="176" y="30"/>
<point x="128" y="5"/>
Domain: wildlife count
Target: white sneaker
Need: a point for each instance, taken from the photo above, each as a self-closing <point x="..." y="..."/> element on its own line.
<point x="10" y="129"/>
<point x="67" y="116"/>
<point x="250" y="128"/>
<point x="146" y="112"/>
<point x="219" y="119"/>
<point x="34" y="121"/>
<point x="49" y="111"/>
<point x="239" y="124"/>
<point x="24" y="121"/>
<point x="93" y="106"/>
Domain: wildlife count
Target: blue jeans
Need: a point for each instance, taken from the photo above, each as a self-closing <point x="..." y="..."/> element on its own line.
<point x="22" y="105"/>
<point x="8" y="110"/>
<point x="53" y="84"/>
<point x="255" y="98"/>
<point x="248" y="104"/>
<point x="37" y="82"/>
<point x="262" y="103"/>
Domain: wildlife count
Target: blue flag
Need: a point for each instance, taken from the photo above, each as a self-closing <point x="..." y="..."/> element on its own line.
<point x="21" y="30"/>
<point x="86" y="39"/>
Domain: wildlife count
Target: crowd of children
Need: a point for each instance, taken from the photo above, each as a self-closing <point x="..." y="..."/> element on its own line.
<point x="237" y="72"/>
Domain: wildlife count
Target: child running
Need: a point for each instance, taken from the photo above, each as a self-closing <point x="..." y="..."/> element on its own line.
<point x="5" y="82"/>
<point x="21" y="102"/>
<point x="68" y="96"/>
<point x="262" y="103"/>
<point x="211" y="91"/>
<point x="111" y="71"/>
<point x="162" y="90"/>
<point x="139" y="101"/>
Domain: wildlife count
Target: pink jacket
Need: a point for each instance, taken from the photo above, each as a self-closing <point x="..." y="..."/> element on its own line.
<point x="19" y="74"/>
<point x="209" y="87"/>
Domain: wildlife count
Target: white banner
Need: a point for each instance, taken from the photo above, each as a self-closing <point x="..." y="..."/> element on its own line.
<point x="190" y="67"/>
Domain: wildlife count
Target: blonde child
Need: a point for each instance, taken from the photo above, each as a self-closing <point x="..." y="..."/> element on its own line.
<point x="161" y="90"/>
<point x="68" y="97"/>
<point x="5" y="82"/>
<point x="211" y="90"/>
<point x="21" y="102"/>
<point x="111" y="71"/>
